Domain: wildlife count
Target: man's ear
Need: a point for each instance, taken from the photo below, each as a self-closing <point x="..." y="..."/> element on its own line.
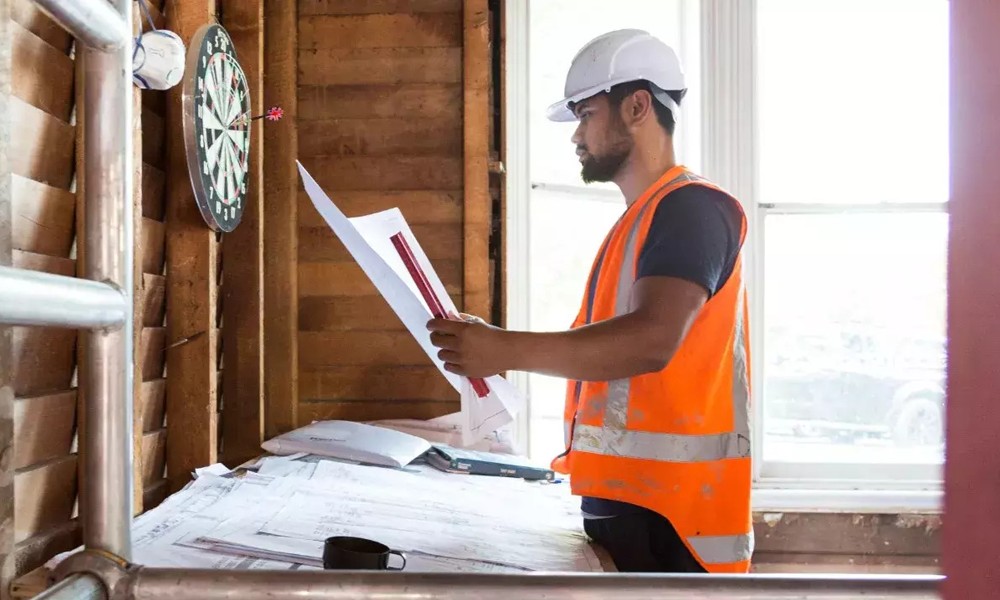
<point x="637" y="107"/>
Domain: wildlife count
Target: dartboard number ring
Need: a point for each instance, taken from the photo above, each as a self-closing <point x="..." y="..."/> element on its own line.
<point x="216" y="127"/>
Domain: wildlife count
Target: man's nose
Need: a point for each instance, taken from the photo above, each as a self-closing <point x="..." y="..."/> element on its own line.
<point x="577" y="138"/>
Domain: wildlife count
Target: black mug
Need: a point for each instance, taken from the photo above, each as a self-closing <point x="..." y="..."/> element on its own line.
<point x="343" y="552"/>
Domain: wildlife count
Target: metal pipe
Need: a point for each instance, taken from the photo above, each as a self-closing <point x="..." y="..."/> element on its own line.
<point x="93" y="22"/>
<point x="76" y="587"/>
<point x="164" y="584"/>
<point x="36" y="298"/>
<point x="106" y="446"/>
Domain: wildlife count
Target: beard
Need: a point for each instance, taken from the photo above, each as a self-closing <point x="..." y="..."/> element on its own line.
<point x="607" y="165"/>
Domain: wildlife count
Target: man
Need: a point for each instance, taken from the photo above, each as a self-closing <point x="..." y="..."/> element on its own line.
<point x="658" y="439"/>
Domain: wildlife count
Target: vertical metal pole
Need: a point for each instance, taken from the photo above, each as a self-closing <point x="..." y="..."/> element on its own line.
<point x="106" y="489"/>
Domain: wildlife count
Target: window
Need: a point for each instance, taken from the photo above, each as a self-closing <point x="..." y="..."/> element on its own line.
<point x="851" y="222"/>
<point x="828" y="119"/>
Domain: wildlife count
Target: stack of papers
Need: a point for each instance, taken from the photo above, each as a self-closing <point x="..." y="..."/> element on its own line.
<point x="278" y="517"/>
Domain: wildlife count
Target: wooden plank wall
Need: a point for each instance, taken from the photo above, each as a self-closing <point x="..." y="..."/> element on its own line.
<point x="43" y="231"/>
<point x="242" y="406"/>
<point x="150" y="290"/>
<point x="381" y="103"/>
<point x="6" y="340"/>
<point x="193" y="269"/>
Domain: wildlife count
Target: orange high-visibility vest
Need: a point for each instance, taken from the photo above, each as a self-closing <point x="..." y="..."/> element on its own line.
<point x="676" y="441"/>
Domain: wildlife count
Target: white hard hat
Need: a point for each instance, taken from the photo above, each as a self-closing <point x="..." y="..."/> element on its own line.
<point x="619" y="57"/>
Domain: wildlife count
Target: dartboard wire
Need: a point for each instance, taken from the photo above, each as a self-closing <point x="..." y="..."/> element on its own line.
<point x="235" y="161"/>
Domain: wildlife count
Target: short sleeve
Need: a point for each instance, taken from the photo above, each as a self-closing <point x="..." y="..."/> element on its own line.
<point x="695" y="235"/>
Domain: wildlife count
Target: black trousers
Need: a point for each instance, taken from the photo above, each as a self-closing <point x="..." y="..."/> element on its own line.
<point x="643" y="542"/>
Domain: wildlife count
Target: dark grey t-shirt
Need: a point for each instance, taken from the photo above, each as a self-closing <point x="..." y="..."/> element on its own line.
<point x="694" y="235"/>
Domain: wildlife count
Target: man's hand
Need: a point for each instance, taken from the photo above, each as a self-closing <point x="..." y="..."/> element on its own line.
<point x="470" y="347"/>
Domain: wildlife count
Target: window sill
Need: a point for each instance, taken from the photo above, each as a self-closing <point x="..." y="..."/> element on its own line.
<point x="847" y="501"/>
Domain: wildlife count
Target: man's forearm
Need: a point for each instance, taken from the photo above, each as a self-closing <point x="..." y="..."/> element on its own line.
<point x="612" y="349"/>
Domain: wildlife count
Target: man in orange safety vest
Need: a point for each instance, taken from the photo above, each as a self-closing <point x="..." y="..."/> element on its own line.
<point x="657" y="405"/>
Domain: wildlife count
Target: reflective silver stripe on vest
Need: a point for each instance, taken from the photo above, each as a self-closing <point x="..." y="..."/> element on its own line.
<point x="722" y="549"/>
<point x="665" y="447"/>
<point x="616" y="408"/>
<point x="741" y="387"/>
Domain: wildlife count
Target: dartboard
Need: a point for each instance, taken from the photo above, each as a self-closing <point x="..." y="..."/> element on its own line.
<point x="216" y="127"/>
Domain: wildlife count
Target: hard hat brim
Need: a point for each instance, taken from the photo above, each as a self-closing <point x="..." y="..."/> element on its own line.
<point x="561" y="112"/>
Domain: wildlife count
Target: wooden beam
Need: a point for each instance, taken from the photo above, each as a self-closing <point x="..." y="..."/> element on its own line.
<point x="281" y="223"/>
<point x="971" y="542"/>
<point x="371" y="410"/>
<point x="43" y="75"/>
<point x="6" y="335"/>
<point x="191" y="271"/>
<point x="138" y="285"/>
<point x="476" y="69"/>
<point x="44" y="496"/>
<point x="353" y="7"/>
<point x="28" y="15"/>
<point x="45" y="145"/>
<point x="386" y="100"/>
<point x="43" y="427"/>
<point x="243" y="258"/>
<point x="416" y="30"/>
<point x="380" y="66"/>
<point x="345" y="137"/>
<point x="44" y="217"/>
<point x="347" y="278"/>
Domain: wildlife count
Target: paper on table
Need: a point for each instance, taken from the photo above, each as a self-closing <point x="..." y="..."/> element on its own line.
<point x="367" y="238"/>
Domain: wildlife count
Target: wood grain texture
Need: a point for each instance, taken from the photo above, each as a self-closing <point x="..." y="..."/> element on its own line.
<point x="419" y="207"/>
<point x="155" y="493"/>
<point x="27" y="14"/>
<point x="45" y="145"/>
<point x="318" y="349"/>
<point x="413" y="100"/>
<point x="438" y="241"/>
<point x="362" y="313"/>
<point x="151" y="355"/>
<point x="44" y="217"/>
<point x="153" y="132"/>
<point x="243" y="260"/>
<point x="152" y="300"/>
<point x="386" y="173"/>
<point x="353" y="7"/>
<point x="44" y="496"/>
<point x="138" y="285"/>
<point x="347" y="278"/>
<point x="43" y="75"/>
<point x="192" y="276"/>
<point x="7" y="373"/>
<point x="380" y="66"/>
<point x="154" y="447"/>
<point x="413" y="30"/>
<point x="375" y="383"/>
<point x="154" y="188"/>
<point x="408" y="136"/>
<point x="151" y="246"/>
<point x="43" y="358"/>
<point x="36" y="550"/>
<point x="371" y="410"/>
<point x="43" y="427"/>
<point x="281" y="222"/>
<point x="477" y="67"/>
<point x="152" y="404"/>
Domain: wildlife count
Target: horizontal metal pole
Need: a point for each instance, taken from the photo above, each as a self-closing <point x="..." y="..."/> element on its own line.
<point x="163" y="584"/>
<point x="47" y="300"/>
<point x="94" y="22"/>
<point x="76" y="587"/>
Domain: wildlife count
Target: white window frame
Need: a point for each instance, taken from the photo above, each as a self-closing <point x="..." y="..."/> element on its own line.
<point x="727" y="146"/>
